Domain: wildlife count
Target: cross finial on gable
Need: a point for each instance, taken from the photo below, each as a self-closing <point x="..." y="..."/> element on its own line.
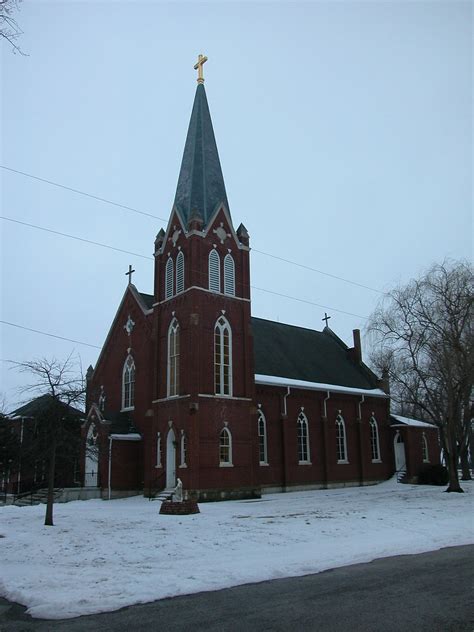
<point x="129" y="274"/>
<point x="326" y="318"/>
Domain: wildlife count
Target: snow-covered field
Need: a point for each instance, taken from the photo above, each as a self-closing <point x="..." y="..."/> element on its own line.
<point x="105" y="555"/>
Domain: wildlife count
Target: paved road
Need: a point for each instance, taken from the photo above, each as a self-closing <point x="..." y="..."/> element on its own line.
<point x="428" y="592"/>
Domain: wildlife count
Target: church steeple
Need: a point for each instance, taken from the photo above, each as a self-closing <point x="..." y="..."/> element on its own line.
<point x="201" y="186"/>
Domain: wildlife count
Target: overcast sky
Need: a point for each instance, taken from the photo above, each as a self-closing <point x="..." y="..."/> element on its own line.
<point x="344" y="131"/>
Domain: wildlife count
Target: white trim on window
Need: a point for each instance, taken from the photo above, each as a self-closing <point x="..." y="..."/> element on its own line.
<point x="424" y="449"/>
<point x="180" y="273"/>
<point x="214" y="271"/>
<point x="262" y="438"/>
<point x="128" y="384"/>
<point x="229" y="275"/>
<point x="374" y="440"/>
<point x="341" y="440"/>
<point x="182" y="449"/>
<point x="225" y="448"/>
<point x="169" y="274"/>
<point x="173" y="359"/>
<point x="158" y="450"/>
<point x="303" y="439"/>
<point x="222" y="357"/>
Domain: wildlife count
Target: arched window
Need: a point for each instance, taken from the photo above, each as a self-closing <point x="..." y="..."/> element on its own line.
<point x="214" y="271"/>
<point x="180" y="273"/>
<point x="229" y="275"/>
<point x="341" y="440"/>
<point x="424" y="449"/>
<point x="158" y="449"/>
<point x="173" y="358"/>
<point x="223" y="357"/>
<point x="303" y="438"/>
<point x="262" y="438"/>
<point x="169" y="273"/>
<point x="128" y="384"/>
<point x="225" y="447"/>
<point x="374" y="439"/>
<point x="183" y="450"/>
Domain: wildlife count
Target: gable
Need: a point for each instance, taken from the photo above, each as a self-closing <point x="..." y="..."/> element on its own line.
<point x="304" y="354"/>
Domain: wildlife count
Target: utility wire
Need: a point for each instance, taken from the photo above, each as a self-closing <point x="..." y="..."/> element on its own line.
<point x="87" y="241"/>
<point x="44" y="333"/>
<point x="135" y="254"/>
<point x="129" y="208"/>
<point x="89" y="195"/>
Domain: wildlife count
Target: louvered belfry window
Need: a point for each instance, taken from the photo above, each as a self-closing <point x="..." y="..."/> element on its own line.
<point x="180" y="273"/>
<point x="229" y="275"/>
<point x="169" y="274"/>
<point x="214" y="271"/>
<point x="223" y="357"/>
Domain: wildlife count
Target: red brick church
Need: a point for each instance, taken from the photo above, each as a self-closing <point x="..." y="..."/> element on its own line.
<point x="189" y="385"/>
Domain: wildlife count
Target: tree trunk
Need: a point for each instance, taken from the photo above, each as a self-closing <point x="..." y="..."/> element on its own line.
<point x="48" y="520"/>
<point x="466" y="470"/>
<point x="452" y="465"/>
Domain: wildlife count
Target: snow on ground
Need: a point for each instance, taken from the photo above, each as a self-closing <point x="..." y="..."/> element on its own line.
<point x="103" y="555"/>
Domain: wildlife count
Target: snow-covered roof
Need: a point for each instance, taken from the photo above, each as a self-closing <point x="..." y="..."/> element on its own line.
<point x="407" y="421"/>
<point x="131" y="436"/>
<point x="270" y="380"/>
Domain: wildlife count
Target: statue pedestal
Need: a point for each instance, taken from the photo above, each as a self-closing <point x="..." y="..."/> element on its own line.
<point x="184" y="508"/>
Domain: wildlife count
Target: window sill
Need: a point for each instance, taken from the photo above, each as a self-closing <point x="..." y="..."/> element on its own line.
<point x="304" y="463"/>
<point x="182" y="466"/>
<point x="124" y="410"/>
<point x="345" y="462"/>
<point x="428" y="461"/>
<point x="264" y="464"/>
<point x="376" y="460"/>
<point x="158" y="467"/>
<point x="226" y="465"/>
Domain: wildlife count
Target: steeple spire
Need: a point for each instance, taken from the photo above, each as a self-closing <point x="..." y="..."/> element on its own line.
<point x="200" y="183"/>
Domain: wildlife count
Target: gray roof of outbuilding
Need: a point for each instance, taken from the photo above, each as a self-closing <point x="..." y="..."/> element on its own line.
<point x="41" y="404"/>
<point x="305" y="354"/>
<point x="200" y="184"/>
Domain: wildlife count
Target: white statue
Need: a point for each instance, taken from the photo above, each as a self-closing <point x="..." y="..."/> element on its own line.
<point x="178" y="491"/>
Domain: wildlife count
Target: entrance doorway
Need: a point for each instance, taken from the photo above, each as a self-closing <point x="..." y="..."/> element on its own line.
<point x="92" y="458"/>
<point x="399" y="449"/>
<point x="171" y="459"/>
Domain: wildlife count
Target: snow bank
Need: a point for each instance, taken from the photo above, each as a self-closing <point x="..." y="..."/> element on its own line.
<point x="104" y="555"/>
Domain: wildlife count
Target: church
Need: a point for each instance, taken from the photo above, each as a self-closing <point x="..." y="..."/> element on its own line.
<point x="190" y="385"/>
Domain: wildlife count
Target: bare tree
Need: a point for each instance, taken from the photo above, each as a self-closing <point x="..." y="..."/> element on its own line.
<point x="423" y="337"/>
<point x="9" y="28"/>
<point x="65" y="385"/>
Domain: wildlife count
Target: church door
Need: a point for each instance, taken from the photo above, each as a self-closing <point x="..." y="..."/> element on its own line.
<point x="399" y="448"/>
<point x="171" y="459"/>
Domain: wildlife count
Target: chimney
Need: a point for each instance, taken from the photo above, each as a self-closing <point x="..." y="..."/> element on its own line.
<point x="357" y="345"/>
<point x="384" y="381"/>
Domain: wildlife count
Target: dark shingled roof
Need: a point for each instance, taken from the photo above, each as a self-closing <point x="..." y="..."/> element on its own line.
<point x="201" y="183"/>
<point x="304" y="354"/>
<point x="40" y="405"/>
<point x="148" y="299"/>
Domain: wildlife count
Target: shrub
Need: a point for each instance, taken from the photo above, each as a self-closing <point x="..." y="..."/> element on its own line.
<point x="433" y="475"/>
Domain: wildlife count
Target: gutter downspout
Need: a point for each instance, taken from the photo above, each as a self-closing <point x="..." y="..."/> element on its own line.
<point x="110" y="466"/>
<point x="284" y="417"/>
<point x="325" y="442"/>
<point x="361" y="451"/>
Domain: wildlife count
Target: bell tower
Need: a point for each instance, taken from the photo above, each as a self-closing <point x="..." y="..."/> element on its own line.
<point x="204" y="418"/>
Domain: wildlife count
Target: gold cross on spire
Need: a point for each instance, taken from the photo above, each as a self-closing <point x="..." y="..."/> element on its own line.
<point x="198" y="66"/>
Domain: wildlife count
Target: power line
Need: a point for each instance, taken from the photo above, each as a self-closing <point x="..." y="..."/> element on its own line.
<point x="44" y="333"/>
<point x="89" y="195"/>
<point x="87" y="241"/>
<point x="328" y="274"/>
<point x="253" y="287"/>
<point x="129" y="208"/>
